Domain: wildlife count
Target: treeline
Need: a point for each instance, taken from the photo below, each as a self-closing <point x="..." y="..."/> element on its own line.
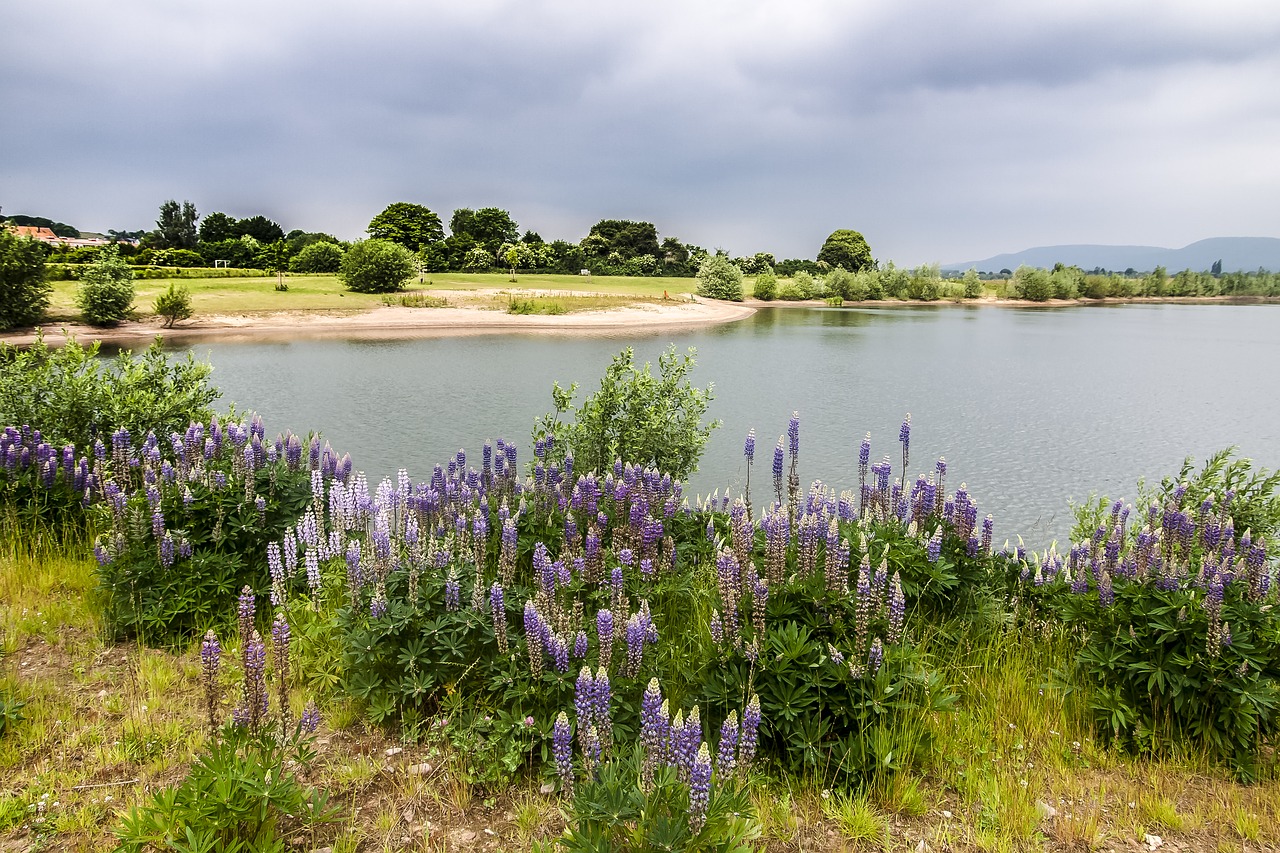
<point x="1071" y="282"/>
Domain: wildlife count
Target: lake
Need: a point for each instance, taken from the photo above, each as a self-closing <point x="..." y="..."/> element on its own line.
<point x="1032" y="407"/>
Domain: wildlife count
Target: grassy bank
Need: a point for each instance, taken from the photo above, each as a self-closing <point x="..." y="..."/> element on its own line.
<point x="327" y="292"/>
<point x="1015" y="768"/>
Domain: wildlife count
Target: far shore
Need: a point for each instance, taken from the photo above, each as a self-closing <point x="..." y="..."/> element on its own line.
<point x="401" y="322"/>
<point x="383" y="322"/>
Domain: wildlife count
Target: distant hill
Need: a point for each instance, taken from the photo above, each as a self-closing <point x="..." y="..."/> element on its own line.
<point x="1236" y="253"/>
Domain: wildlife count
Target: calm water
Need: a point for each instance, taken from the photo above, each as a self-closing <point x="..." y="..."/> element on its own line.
<point x="1032" y="407"/>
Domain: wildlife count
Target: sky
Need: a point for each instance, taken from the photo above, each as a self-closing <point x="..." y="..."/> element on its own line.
<point x="942" y="131"/>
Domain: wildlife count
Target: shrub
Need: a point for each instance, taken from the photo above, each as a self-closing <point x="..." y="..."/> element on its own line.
<point x="718" y="278"/>
<point x="766" y="285"/>
<point x="187" y="526"/>
<point x="24" y="293"/>
<point x="1032" y="283"/>
<point x="377" y="266"/>
<point x="1176" y="608"/>
<point x="972" y="284"/>
<point x="105" y="296"/>
<point x="174" y="304"/>
<point x="652" y="420"/>
<point x="801" y="286"/>
<point x="76" y="398"/>
<point x="318" y="258"/>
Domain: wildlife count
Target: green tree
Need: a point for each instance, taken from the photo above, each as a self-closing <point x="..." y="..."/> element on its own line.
<point x="629" y="239"/>
<point x="174" y="304"/>
<point x="1032" y="283"/>
<point x="411" y="225"/>
<point x="105" y="296"/>
<point x="490" y="227"/>
<point x="718" y="278"/>
<point x="766" y="286"/>
<point x="24" y="293"/>
<point x="478" y="259"/>
<point x="177" y="225"/>
<point x="848" y="249"/>
<point x="318" y="257"/>
<point x="217" y="227"/>
<point x="972" y="284"/>
<point x="635" y="416"/>
<point x="377" y="266"/>
<point x="260" y="228"/>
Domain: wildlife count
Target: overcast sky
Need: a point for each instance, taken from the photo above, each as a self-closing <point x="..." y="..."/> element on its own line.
<point x="944" y="131"/>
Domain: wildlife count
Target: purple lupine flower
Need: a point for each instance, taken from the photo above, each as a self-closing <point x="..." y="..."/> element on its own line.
<point x="580" y="645"/>
<point x="312" y="560"/>
<point x="904" y="436"/>
<point x="750" y="733"/>
<point x="933" y="548"/>
<point x="603" y="713"/>
<point x="166" y="550"/>
<point x="310" y="720"/>
<point x="210" y="661"/>
<point x="897" y="608"/>
<point x="245" y="612"/>
<point x="653" y="730"/>
<point x="604" y="633"/>
<point x="749" y="449"/>
<point x="793" y="434"/>
<point x="635" y="637"/>
<point x="452" y="591"/>
<point x="727" y="750"/>
<point x="875" y="657"/>
<point x="988" y="525"/>
<point x="684" y="740"/>
<point x="534" y="630"/>
<point x="584" y="704"/>
<point x="254" y="706"/>
<point x="778" y="459"/>
<point x="562" y="750"/>
<point x="717" y="628"/>
<point x="699" y="788"/>
<point x="498" y="611"/>
<point x="378" y="606"/>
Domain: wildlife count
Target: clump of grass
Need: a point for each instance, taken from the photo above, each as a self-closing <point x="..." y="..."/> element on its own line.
<point x="857" y="818"/>
<point x="535" y="305"/>
<point x="415" y="299"/>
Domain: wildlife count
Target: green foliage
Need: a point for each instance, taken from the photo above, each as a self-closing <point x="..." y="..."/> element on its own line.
<point x="166" y="587"/>
<point x="217" y="227"/>
<point x="972" y="284"/>
<point x="487" y="228"/>
<point x="10" y="713"/>
<point x="105" y="295"/>
<point x="377" y="266"/>
<point x="614" y="812"/>
<point x="176" y="227"/>
<point x="24" y="293"/>
<point x="411" y="225"/>
<point x="478" y="259"/>
<point x="259" y="228"/>
<point x="242" y="794"/>
<point x="174" y="304"/>
<point x="798" y="288"/>
<point x="1032" y="283"/>
<point x="317" y="258"/>
<point x="847" y="249"/>
<point x="766" y="286"/>
<point x="77" y="398"/>
<point x="636" y="416"/>
<point x="718" y="278"/>
<point x="1176" y="609"/>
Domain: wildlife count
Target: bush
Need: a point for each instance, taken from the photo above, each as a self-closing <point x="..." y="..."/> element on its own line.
<point x="1032" y="283"/>
<point x="24" y="293"/>
<point x="105" y="295"/>
<point x="377" y="266"/>
<point x="972" y="284"/>
<point x="766" y="286"/>
<point x="318" y="258"/>
<point x="636" y="416"/>
<point x="800" y="287"/>
<point x="1177" y="611"/>
<point x="77" y="398"/>
<point x="718" y="278"/>
<point x="174" y="304"/>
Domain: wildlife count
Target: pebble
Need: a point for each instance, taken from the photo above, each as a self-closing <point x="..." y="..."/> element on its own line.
<point x="419" y="769"/>
<point x="1153" y="841"/>
<point x="393" y="751"/>
<point x="1046" y="811"/>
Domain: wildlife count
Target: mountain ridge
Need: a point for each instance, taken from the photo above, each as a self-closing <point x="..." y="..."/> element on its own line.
<point x="1236" y="253"/>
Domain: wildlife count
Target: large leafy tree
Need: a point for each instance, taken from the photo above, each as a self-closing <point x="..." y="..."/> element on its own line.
<point x="260" y="228"/>
<point x="848" y="249"/>
<point x="217" y="227"/>
<point x="411" y="225"/>
<point x="377" y="266"/>
<point x="176" y="226"/>
<point x="490" y="227"/>
<point x="23" y="291"/>
<point x="629" y="239"/>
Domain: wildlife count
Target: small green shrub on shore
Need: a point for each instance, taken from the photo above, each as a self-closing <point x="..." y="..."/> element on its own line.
<point x="174" y="305"/>
<point x="105" y="295"/>
<point x="24" y="292"/>
<point x="718" y="278"/>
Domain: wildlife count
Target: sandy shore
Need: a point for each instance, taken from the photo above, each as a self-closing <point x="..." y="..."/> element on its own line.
<point x="399" y="322"/>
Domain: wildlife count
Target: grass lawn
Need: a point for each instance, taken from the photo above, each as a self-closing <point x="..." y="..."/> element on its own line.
<point x="327" y="292"/>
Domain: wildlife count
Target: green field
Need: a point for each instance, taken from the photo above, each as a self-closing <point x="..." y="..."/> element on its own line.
<point x="327" y="292"/>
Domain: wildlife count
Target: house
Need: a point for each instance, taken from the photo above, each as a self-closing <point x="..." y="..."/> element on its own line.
<point x="44" y="235"/>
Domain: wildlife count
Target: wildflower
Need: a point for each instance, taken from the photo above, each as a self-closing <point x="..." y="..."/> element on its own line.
<point x="498" y="610"/>
<point x="562" y="750"/>
<point x="604" y="633"/>
<point x="310" y="720"/>
<point x="749" y="449"/>
<point x="603" y="709"/>
<point x="727" y="749"/>
<point x="210" y="660"/>
<point x="699" y="788"/>
<point x="750" y="733"/>
<point x="897" y="608"/>
<point x="904" y="436"/>
<point x="875" y="657"/>
<point x="653" y="732"/>
<point x="280" y="655"/>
